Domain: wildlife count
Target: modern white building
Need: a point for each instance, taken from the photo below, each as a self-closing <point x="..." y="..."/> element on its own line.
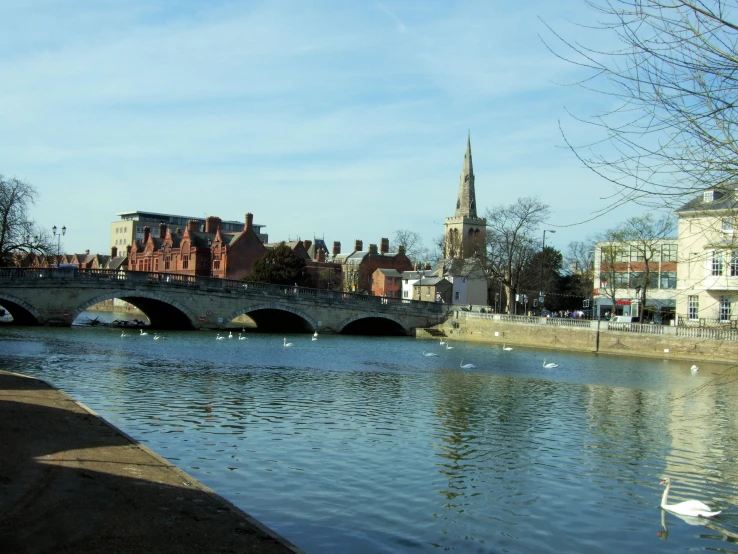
<point x="619" y="275"/>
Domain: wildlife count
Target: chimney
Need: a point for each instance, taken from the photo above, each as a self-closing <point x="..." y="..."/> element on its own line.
<point x="87" y="251"/>
<point x="321" y="255"/>
<point x="384" y="246"/>
<point x="249" y="222"/>
<point x="336" y="248"/>
<point x="358" y="246"/>
<point x="212" y="224"/>
<point x="147" y="232"/>
<point x="128" y="251"/>
<point x="372" y="248"/>
<point x="193" y="226"/>
<point x="401" y="249"/>
<point x="162" y="230"/>
<point x="440" y="270"/>
<point x="114" y="252"/>
<point x="179" y="231"/>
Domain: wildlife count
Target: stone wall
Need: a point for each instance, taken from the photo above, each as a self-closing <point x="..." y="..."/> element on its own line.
<point x="592" y="338"/>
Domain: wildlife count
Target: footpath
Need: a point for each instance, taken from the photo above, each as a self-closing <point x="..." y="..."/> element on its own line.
<point x="72" y="482"/>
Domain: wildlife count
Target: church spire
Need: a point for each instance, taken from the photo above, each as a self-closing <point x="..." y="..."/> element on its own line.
<point x="466" y="203"/>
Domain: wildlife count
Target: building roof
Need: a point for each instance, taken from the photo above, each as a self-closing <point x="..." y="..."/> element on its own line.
<point x="389" y="272"/>
<point x="725" y="198"/>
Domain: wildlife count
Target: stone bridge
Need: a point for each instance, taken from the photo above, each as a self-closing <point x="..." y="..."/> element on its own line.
<point x="170" y="301"/>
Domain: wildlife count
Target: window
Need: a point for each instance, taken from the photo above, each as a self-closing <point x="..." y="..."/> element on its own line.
<point x="185" y="262"/>
<point x="717" y="262"/>
<point x="635" y="254"/>
<point x="456" y="295"/>
<point x="734" y="263"/>
<point x="166" y="264"/>
<point x="693" y="305"/>
<point x="637" y="279"/>
<point x="728" y="225"/>
<point x="669" y="253"/>
<point x="708" y="196"/>
<point x="404" y="294"/>
<point x="620" y="280"/>
<point x="725" y="308"/>
<point x="668" y="280"/>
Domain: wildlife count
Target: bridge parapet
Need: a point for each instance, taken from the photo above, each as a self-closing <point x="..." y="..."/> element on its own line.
<point x="43" y="278"/>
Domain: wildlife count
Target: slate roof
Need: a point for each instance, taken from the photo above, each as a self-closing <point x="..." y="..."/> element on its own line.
<point x="725" y="198"/>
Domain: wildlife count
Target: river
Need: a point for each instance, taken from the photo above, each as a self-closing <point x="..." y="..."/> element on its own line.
<point x="364" y="444"/>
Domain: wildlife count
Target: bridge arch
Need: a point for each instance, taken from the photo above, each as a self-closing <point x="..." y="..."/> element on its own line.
<point x="398" y="323"/>
<point x="310" y="323"/>
<point x="23" y="313"/>
<point x="175" y="315"/>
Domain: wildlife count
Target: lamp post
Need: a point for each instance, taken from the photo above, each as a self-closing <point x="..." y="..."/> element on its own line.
<point x="58" y="241"/>
<point x="543" y="254"/>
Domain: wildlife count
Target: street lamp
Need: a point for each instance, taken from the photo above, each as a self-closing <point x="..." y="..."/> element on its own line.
<point x="543" y="254"/>
<point x="58" y="241"/>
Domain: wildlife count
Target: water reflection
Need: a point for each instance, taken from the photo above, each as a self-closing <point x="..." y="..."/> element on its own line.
<point x="351" y="444"/>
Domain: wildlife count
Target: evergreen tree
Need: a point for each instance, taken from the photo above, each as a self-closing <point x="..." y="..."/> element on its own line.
<point x="282" y="266"/>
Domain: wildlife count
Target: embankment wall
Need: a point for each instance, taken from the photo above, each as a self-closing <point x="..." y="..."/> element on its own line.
<point x="596" y="338"/>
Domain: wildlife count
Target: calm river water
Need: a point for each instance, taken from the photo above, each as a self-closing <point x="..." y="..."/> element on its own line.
<point x="359" y="444"/>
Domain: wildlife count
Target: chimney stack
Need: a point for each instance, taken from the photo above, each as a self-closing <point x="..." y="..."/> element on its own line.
<point x="401" y="249"/>
<point x="321" y="255"/>
<point x="372" y="248"/>
<point x="336" y="248"/>
<point x="114" y="252"/>
<point x="384" y="246"/>
<point x="249" y="222"/>
<point x="358" y="246"/>
<point x="193" y="226"/>
<point x="212" y="224"/>
<point x="162" y="230"/>
<point x="147" y="232"/>
<point x="128" y="251"/>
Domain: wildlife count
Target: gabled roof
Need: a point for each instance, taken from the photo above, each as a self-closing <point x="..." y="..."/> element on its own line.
<point x="389" y="272"/>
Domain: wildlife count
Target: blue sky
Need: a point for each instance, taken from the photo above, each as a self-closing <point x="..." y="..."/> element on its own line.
<point x="338" y="119"/>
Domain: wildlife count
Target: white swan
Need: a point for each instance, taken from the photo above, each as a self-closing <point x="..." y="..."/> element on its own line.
<point x="549" y="365"/>
<point x="693" y="508"/>
<point x="230" y="335"/>
<point x="218" y="337"/>
<point x="315" y="338"/>
<point x="449" y="347"/>
<point x="442" y="343"/>
<point x="466" y="366"/>
<point x="142" y="333"/>
<point x="315" y="335"/>
<point x="694" y="369"/>
<point x="157" y="337"/>
<point x="240" y="337"/>
<point x="505" y="347"/>
<point x="429" y="354"/>
<point x="287" y="344"/>
<point x="123" y="334"/>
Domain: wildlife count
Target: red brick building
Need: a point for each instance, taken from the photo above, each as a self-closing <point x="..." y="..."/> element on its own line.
<point x="210" y="252"/>
<point x="359" y="266"/>
<point x="387" y="283"/>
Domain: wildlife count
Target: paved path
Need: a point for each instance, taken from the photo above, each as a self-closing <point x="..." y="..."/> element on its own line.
<point x="71" y="482"/>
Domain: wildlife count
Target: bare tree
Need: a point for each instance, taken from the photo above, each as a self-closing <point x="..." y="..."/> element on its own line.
<point x="19" y="235"/>
<point x="512" y="240"/>
<point x="672" y="90"/>
<point x="412" y="242"/>
<point x="579" y="264"/>
<point x="644" y="235"/>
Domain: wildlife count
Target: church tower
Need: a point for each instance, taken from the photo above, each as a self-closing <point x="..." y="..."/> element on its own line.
<point x="465" y="233"/>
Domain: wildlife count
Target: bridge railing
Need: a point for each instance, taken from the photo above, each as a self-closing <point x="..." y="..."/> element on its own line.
<point x="210" y="283"/>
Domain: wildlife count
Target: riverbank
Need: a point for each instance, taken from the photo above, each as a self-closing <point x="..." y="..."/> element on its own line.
<point x="652" y="341"/>
<point x="72" y="482"/>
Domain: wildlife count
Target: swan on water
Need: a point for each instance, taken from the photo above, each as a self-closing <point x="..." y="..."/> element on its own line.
<point x="694" y="369"/>
<point x="240" y="337"/>
<point x="466" y="366"/>
<point x="287" y="343"/>
<point x="442" y="343"/>
<point x="230" y="334"/>
<point x="449" y="347"/>
<point x="157" y="337"/>
<point x="429" y="354"/>
<point x="123" y="334"/>
<point x="549" y="365"/>
<point x="315" y="334"/>
<point x="505" y="347"/>
<point x="218" y="337"/>
<point x="693" y="508"/>
<point x="142" y="333"/>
